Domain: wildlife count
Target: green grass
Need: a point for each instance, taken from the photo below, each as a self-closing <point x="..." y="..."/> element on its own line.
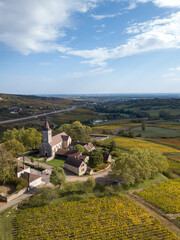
<point x="56" y="162"/>
<point x="149" y="182"/>
<point x="155" y="132"/>
<point x="6" y="224"/>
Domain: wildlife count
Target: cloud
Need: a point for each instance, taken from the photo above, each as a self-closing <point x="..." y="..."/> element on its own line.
<point x="174" y="69"/>
<point x="157" y="34"/>
<point x="163" y="3"/>
<point x="36" y="25"/>
<point x="100" y="17"/>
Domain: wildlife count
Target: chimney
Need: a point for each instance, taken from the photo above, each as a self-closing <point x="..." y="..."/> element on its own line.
<point x="24" y="166"/>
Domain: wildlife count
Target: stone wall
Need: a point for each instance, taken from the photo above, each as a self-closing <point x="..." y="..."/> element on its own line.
<point x="12" y="196"/>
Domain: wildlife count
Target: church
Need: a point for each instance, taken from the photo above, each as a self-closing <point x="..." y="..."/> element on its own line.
<point x="51" y="144"/>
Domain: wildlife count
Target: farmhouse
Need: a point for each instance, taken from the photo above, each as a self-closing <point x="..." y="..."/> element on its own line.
<point x="50" y="144"/>
<point x="76" y="163"/>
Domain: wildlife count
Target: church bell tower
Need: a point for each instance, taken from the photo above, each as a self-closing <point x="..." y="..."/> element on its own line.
<point x="47" y="133"/>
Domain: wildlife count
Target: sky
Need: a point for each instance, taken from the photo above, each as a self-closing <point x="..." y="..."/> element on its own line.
<point x="89" y="46"/>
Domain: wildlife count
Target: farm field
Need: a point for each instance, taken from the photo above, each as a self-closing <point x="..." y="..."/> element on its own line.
<point x="116" y="125"/>
<point x="78" y="114"/>
<point x="156" y="132"/>
<point x="104" y="218"/>
<point x="155" y="112"/>
<point x="166" y="125"/>
<point x="175" y="158"/>
<point x="174" y="142"/>
<point x="174" y="166"/>
<point x="129" y="143"/>
<point x="164" y="195"/>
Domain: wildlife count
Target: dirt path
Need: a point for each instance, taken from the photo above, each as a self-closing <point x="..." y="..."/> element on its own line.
<point x="155" y="212"/>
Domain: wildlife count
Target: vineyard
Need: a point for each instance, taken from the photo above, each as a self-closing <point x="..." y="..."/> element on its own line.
<point x="104" y="218"/>
<point x="174" y="142"/>
<point x="117" y="126"/>
<point x="174" y="166"/>
<point x="164" y="195"/>
<point x="129" y="143"/>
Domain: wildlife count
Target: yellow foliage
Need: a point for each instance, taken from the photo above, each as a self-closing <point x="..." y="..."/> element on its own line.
<point x="129" y="143"/>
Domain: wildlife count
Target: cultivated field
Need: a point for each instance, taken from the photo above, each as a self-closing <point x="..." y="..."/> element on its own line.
<point x="164" y="195"/>
<point x="129" y="143"/>
<point x="174" y="142"/>
<point x="156" y="132"/>
<point x="116" y="125"/>
<point x="104" y="218"/>
<point x="174" y="167"/>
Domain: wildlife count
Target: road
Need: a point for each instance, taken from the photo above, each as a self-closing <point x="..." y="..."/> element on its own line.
<point x="37" y="116"/>
<point x="16" y="200"/>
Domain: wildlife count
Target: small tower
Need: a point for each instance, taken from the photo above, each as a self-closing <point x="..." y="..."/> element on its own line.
<point x="47" y="133"/>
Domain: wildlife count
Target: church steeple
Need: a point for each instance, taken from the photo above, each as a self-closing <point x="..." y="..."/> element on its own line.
<point x="47" y="133"/>
<point x="46" y="126"/>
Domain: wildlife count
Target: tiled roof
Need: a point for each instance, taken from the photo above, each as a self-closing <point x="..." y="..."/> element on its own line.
<point x="89" y="146"/>
<point x="73" y="162"/>
<point x="65" y="152"/>
<point x="30" y="177"/>
<point x="59" y="138"/>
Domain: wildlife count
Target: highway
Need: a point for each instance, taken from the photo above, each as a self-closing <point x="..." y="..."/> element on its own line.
<point x="37" y="116"/>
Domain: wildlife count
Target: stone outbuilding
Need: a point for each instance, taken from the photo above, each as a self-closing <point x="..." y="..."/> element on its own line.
<point x="73" y="164"/>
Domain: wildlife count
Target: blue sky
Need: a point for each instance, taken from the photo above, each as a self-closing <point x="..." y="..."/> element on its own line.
<point x="89" y="46"/>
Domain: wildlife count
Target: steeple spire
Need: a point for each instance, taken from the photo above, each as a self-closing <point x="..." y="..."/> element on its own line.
<point x="46" y="126"/>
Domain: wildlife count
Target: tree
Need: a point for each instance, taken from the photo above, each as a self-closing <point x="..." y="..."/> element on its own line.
<point x="143" y="126"/>
<point x="7" y="165"/>
<point x="15" y="147"/>
<point x="79" y="148"/>
<point x="112" y="146"/>
<point x="30" y="138"/>
<point x="96" y="158"/>
<point x="138" y="165"/>
<point x="57" y="176"/>
<point x="77" y="131"/>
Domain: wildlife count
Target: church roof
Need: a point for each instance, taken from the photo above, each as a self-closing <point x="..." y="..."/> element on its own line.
<point x="59" y="138"/>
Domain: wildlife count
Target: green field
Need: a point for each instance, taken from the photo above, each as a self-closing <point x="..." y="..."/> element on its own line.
<point x="103" y="218"/>
<point x="164" y="195"/>
<point x="156" y="132"/>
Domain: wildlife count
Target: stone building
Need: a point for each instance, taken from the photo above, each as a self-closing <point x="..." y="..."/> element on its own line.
<point x="50" y="144"/>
